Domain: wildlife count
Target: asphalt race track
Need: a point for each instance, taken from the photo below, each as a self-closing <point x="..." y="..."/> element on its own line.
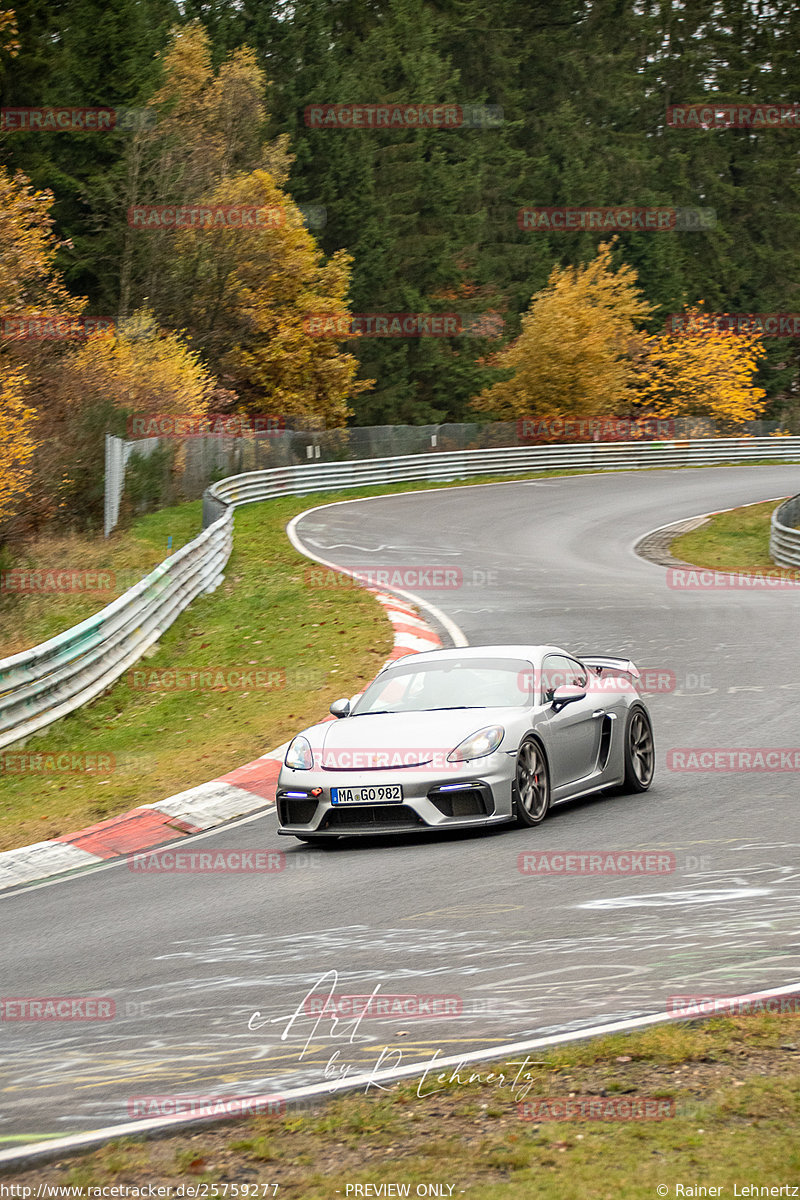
<point x="188" y="959"/>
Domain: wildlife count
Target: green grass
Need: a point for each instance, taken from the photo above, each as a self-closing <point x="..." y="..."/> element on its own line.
<point x="731" y="541"/>
<point x="735" y="1084"/>
<point x="28" y="619"/>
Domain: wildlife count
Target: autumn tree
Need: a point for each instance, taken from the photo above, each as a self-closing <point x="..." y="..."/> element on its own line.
<point x="31" y="290"/>
<point x="252" y="294"/>
<point x="30" y="282"/>
<point x="207" y="125"/>
<point x="572" y="356"/>
<point x="17" y="442"/>
<point x="702" y="369"/>
<point x="138" y="369"/>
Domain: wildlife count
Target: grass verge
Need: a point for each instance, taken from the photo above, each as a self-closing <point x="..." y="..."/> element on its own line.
<point x="734" y="1084"/>
<point x="731" y="541"/>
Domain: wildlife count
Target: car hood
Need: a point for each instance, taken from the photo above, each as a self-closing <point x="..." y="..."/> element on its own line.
<point x="403" y="739"/>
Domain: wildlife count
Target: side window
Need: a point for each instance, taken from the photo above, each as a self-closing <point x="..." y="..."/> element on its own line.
<point x="555" y="672"/>
<point x="578" y="676"/>
<point x="558" y="670"/>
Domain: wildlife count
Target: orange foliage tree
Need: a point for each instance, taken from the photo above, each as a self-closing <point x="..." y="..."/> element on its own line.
<point x="572" y="357"/>
<point x="706" y="371"/>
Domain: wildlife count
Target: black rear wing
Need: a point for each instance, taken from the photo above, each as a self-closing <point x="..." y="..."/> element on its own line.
<point x="609" y="664"/>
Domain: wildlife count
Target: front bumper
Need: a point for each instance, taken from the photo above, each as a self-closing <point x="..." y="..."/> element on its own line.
<point x="430" y="801"/>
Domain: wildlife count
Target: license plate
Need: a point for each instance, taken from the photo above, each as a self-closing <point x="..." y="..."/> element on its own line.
<point x="385" y="793"/>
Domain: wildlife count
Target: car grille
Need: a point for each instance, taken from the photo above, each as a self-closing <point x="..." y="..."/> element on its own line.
<point x="374" y="815"/>
<point x="465" y="802"/>
<point x="296" y="812"/>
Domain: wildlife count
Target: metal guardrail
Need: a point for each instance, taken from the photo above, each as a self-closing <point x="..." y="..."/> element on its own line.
<point x="784" y="538"/>
<point x="462" y="464"/>
<point x="40" y="685"/>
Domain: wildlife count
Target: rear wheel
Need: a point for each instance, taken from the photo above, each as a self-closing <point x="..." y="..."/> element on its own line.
<point x="640" y="751"/>
<point x="531" y="784"/>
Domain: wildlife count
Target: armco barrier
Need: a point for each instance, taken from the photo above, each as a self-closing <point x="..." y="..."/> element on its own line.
<point x="462" y="464"/>
<point x="41" y="685"/>
<point x="784" y="539"/>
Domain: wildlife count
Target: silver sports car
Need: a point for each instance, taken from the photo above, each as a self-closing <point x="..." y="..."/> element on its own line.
<point x="453" y="739"/>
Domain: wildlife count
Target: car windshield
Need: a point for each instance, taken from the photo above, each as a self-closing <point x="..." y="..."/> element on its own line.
<point x="450" y="684"/>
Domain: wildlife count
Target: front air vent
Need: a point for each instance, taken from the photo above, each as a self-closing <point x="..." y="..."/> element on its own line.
<point x="376" y="816"/>
<point x="462" y="802"/>
<point x="296" y="812"/>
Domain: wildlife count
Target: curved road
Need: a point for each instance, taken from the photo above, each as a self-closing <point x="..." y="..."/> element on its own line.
<point x="188" y="959"/>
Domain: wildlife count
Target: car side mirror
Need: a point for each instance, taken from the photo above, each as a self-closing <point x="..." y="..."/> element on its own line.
<point x="341" y="708"/>
<point x="567" y="693"/>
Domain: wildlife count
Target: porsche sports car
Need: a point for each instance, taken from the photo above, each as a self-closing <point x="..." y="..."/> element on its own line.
<point x="460" y="738"/>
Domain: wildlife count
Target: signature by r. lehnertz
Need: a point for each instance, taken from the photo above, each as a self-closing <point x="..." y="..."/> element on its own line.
<point x="319" y="1008"/>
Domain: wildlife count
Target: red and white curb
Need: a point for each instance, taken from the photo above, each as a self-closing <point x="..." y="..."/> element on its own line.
<point x="236" y="794"/>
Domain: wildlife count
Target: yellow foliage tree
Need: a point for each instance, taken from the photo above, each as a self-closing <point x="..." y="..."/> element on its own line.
<point x="572" y="357"/>
<point x="267" y="281"/>
<point x="29" y="280"/>
<point x="17" y="442"/>
<point x="706" y="371"/>
<point x="30" y="286"/>
<point x="8" y="32"/>
<point x="141" y="368"/>
<point x="208" y="125"/>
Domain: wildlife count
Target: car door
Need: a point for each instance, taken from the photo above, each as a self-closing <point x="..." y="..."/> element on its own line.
<point x="572" y="735"/>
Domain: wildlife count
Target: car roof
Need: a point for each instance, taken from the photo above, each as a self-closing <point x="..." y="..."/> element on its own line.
<point x="528" y="653"/>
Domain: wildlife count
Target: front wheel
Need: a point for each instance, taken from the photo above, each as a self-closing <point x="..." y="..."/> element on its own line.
<point x="531" y="784"/>
<point x="640" y="751"/>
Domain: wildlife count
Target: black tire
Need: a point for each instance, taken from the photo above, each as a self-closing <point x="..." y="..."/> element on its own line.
<point x="531" y="787"/>
<point x="640" y="751"/>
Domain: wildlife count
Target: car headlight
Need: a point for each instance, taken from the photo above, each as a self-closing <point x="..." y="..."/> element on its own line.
<point x="299" y="755"/>
<point x="478" y="745"/>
